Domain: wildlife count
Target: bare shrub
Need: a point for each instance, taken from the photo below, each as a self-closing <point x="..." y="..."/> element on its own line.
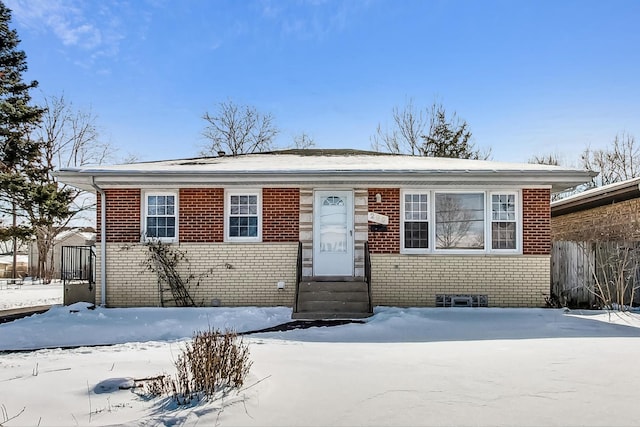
<point x="212" y="362"/>
<point x="615" y="274"/>
<point x="596" y="258"/>
<point x="611" y="244"/>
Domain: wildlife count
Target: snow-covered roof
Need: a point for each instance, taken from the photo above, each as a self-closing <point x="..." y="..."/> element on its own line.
<point x="8" y="259"/>
<point x="328" y="166"/>
<point x="85" y="235"/>
<point x="606" y="194"/>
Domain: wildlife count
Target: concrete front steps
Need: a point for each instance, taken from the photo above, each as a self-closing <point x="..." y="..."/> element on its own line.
<point x="332" y="300"/>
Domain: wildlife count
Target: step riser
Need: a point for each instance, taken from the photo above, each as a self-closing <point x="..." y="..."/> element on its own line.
<point x="333" y="286"/>
<point x="333" y="306"/>
<point x="333" y="296"/>
<point x="321" y="315"/>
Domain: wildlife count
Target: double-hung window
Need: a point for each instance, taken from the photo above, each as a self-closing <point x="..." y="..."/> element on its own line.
<point x="243" y="218"/>
<point x="415" y="224"/>
<point x="503" y="221"/>
<point x="160" y="216"/>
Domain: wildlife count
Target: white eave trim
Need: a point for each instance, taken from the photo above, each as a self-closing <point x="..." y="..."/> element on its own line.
<point x="118" y="179"/>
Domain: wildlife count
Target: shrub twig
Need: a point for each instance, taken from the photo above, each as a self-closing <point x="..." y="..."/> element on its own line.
<point x="212" y="362"/>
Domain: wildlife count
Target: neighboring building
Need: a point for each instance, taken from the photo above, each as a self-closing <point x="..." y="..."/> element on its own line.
<point x="610" y="212"/>
<point x="6" y="266"/>
<point x="439" y="231"/>
<point x="68" y="237"/>
<point x="595" y="234"/>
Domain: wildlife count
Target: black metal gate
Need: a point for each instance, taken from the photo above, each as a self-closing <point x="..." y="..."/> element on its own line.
<point x="78" y="265"/>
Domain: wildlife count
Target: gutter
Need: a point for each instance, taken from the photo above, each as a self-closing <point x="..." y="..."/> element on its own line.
<point x="103" y="242"/>
<point x="559" y="180"/>
<point x="599" y="196"/>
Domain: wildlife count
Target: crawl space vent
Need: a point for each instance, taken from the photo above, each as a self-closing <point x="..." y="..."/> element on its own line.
<point x="445" y="300"/>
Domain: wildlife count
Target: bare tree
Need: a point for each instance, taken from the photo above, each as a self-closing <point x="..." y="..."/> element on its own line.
<point x="619" y="162"/>
<point x="546" y="159"/>
<point x="553" y="159"/>
<point x="303" y="141"/>
<point x="427" y="132"/>
<point x="68" y="138"/>
<point x="405" y="135"/>
<point x="238" y="129"/>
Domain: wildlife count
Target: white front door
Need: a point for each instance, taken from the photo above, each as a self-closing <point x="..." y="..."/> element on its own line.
<point x="333" y="233"/>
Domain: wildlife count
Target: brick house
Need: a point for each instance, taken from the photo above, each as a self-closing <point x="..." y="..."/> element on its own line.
<point x="602" y="213"/>
<point x="410" y="231"/>
<point x="596" y="233"/>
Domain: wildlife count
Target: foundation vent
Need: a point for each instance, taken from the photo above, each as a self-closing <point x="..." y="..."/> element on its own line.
<point x="446" y="300"/>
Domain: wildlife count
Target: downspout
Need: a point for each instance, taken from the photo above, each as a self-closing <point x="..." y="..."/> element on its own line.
<point x="103" y="242"/>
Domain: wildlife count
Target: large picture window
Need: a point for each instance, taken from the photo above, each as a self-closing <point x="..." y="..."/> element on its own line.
<point x="243" y="221"/>
<point x="459" y="221"/>
<point x="161" y="216"/>
<point x="433" y="221"/>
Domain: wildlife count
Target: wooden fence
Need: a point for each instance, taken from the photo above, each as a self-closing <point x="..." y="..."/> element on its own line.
<point x="581" y="270"/>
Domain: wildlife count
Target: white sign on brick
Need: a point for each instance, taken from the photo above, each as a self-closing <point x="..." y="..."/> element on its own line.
<point x="378" y="218"/>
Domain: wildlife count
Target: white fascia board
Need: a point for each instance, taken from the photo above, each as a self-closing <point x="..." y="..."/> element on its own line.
<point x="120" y="179"/>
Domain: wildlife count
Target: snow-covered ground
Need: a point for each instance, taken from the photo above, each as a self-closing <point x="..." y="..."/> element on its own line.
<point x="402" y="367"/>
<point x="29" y="294"/>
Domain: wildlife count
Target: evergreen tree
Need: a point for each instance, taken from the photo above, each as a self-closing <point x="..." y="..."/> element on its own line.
<point x="449" y="137"/>
<point x="32" y="142"/>
<point x="18" y="118"/>
<point x="427" y="132"/>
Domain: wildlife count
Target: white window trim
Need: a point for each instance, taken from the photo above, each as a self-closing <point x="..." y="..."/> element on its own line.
<point x="518" y="198"/>
<point x="143" y="232"/>
<point x="404" y="250"/>
<point x="487" y="250"/>
<point x="227" y="203"/>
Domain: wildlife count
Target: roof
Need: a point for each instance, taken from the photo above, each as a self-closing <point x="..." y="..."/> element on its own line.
<point x="599" y="196"/>
<point x="323" y="167"/>
<point x="8" y="259"/>
<point x="87" y="236"/>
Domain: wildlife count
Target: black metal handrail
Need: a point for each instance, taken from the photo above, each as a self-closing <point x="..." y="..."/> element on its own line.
<point x="298" y="277"/>
<point x="367" y="273"/>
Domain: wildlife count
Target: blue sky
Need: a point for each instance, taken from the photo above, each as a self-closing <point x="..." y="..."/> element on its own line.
<point x="530" y="78"/>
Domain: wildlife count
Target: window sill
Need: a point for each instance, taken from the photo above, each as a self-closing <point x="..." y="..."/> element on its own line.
<point x="243" y="240"/>
<point x="460" y="253"/>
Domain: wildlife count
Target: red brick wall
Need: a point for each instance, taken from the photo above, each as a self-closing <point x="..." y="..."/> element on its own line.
<point x="385" y="242"/>
<point x="280" y="214"/>
<point x="123" y="215"/>
<point x="536" y="221"/>
<point x="201" y="216"/>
